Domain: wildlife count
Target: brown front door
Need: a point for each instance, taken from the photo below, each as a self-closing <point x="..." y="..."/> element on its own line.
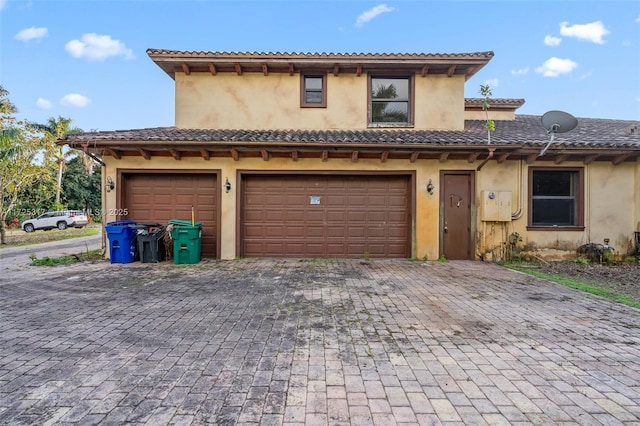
<point x="457" y="199"/>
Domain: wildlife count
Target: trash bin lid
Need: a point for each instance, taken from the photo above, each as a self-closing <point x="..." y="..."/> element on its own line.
<point x="122" y="223"/>
<point x="179" y="222"/>
<point x="148" y="225"/>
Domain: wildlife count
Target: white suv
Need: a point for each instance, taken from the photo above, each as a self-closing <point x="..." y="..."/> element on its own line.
<point x="57" y="219"/>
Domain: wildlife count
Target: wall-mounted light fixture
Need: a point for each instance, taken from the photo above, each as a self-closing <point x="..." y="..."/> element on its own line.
<point x="110" y="186"/>
<point x="227" y="185"/>
<point x="430" y="187"/>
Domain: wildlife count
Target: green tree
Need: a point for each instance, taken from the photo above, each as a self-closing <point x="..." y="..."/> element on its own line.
<point x="490" y="125"/>
<point x="53" y="130"/>
<point x="20" y="166"/>
<point x="81" y="190"/>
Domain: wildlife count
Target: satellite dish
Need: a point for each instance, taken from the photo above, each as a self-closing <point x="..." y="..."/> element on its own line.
<point x="557" y="122"/>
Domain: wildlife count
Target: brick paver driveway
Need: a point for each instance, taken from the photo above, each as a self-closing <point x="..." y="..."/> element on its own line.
<point x="311" y="342"/>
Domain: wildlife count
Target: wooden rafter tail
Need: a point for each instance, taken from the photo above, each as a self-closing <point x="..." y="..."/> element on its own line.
<point x="414" y="156"/>
<point x="560" y="159"/>
<point x="619" y="159"/>
<point x="384" y="156"/>
<point x="502" y="157"/>
<point x="205" y="154"/>
<point x="114" y="153"/>
<point x="265" y="154"/>
<point x="145" y="154"/>
<point x="234" y="154"/>
<point x="175" y="154"/>
<point x="591" y="158"/>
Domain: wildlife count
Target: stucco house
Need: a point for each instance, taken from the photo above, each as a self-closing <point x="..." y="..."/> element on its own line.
<point x="365" y="155"/>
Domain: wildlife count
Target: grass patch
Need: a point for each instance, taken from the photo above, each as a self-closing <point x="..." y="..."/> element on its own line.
<point x="582" y="285"/>
<point x="17" y="237"/>
<point x="66" y="259"/>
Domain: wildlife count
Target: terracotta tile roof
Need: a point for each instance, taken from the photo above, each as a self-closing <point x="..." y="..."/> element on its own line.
<point x="311" y="55"/>
<point x="495" y="102"/>
<point x="172" y="61"/>
<point x="525" y="130"/>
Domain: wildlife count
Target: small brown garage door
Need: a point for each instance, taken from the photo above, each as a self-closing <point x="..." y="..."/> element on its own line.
<point x="326" y="216"/>
<point x="159" y="197"/>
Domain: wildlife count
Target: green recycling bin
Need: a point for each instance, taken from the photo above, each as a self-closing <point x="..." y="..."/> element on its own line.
<point x="187" y="241"/>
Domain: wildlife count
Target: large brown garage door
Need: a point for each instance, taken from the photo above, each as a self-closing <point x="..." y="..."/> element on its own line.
<point x="159" y="197"/>
<point x="326" y="216"/>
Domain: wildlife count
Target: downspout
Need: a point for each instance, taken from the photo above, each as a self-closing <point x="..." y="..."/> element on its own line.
<point x="104" y="210"/>
<point x="484" y="224"/>
<point x="486" y="160"/>
<point x="518" y="213"/>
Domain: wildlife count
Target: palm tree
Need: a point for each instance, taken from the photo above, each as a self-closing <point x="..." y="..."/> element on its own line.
<point x="55" y="129"/>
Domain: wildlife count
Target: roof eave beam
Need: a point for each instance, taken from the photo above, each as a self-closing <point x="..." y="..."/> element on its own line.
<point x="145" y="154"/>
<point x="175" y="154"/>
<point x="619" y="159"/>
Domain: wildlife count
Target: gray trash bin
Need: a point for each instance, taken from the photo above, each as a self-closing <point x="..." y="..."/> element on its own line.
<point x="151" y="242"/>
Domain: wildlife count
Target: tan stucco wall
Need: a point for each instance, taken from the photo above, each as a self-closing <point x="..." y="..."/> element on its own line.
<point x="256" y="101"/>
<point x="425" y="225"/>
<point x="612" y="206"/>
<point x="492" y="114"/>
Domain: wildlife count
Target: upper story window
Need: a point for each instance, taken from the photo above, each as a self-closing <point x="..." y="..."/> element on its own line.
<point x="555" y="197"/>
<point x="390" y="101"/>
<point x="313" y="92"/>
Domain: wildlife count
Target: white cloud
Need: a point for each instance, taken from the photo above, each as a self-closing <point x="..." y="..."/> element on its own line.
<point x="42" y="103"/>
<point x="372" y="13"/>
<point x="75" y="100"/>
<point x="552" y="41"/>
<point x="492" y="83"/>
<point x="638" y="20"/>
<point x="521" y="71"/>
<point x="97" y="47"/>
<point x="3" y="3"/>
<point x="593" y="32"/>
<point x="32" y="33"/>
<point x="553" y="67"/>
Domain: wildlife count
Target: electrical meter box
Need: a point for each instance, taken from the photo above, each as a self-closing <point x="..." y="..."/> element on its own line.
<point x="495" y="206"/>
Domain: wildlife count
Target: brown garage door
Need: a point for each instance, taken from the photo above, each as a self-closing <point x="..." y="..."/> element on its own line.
<point x="159" y="197"/>
<point x="326" y="216"/>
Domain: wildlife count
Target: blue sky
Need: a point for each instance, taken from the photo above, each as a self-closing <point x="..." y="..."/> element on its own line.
<point x="85" y="59"/>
